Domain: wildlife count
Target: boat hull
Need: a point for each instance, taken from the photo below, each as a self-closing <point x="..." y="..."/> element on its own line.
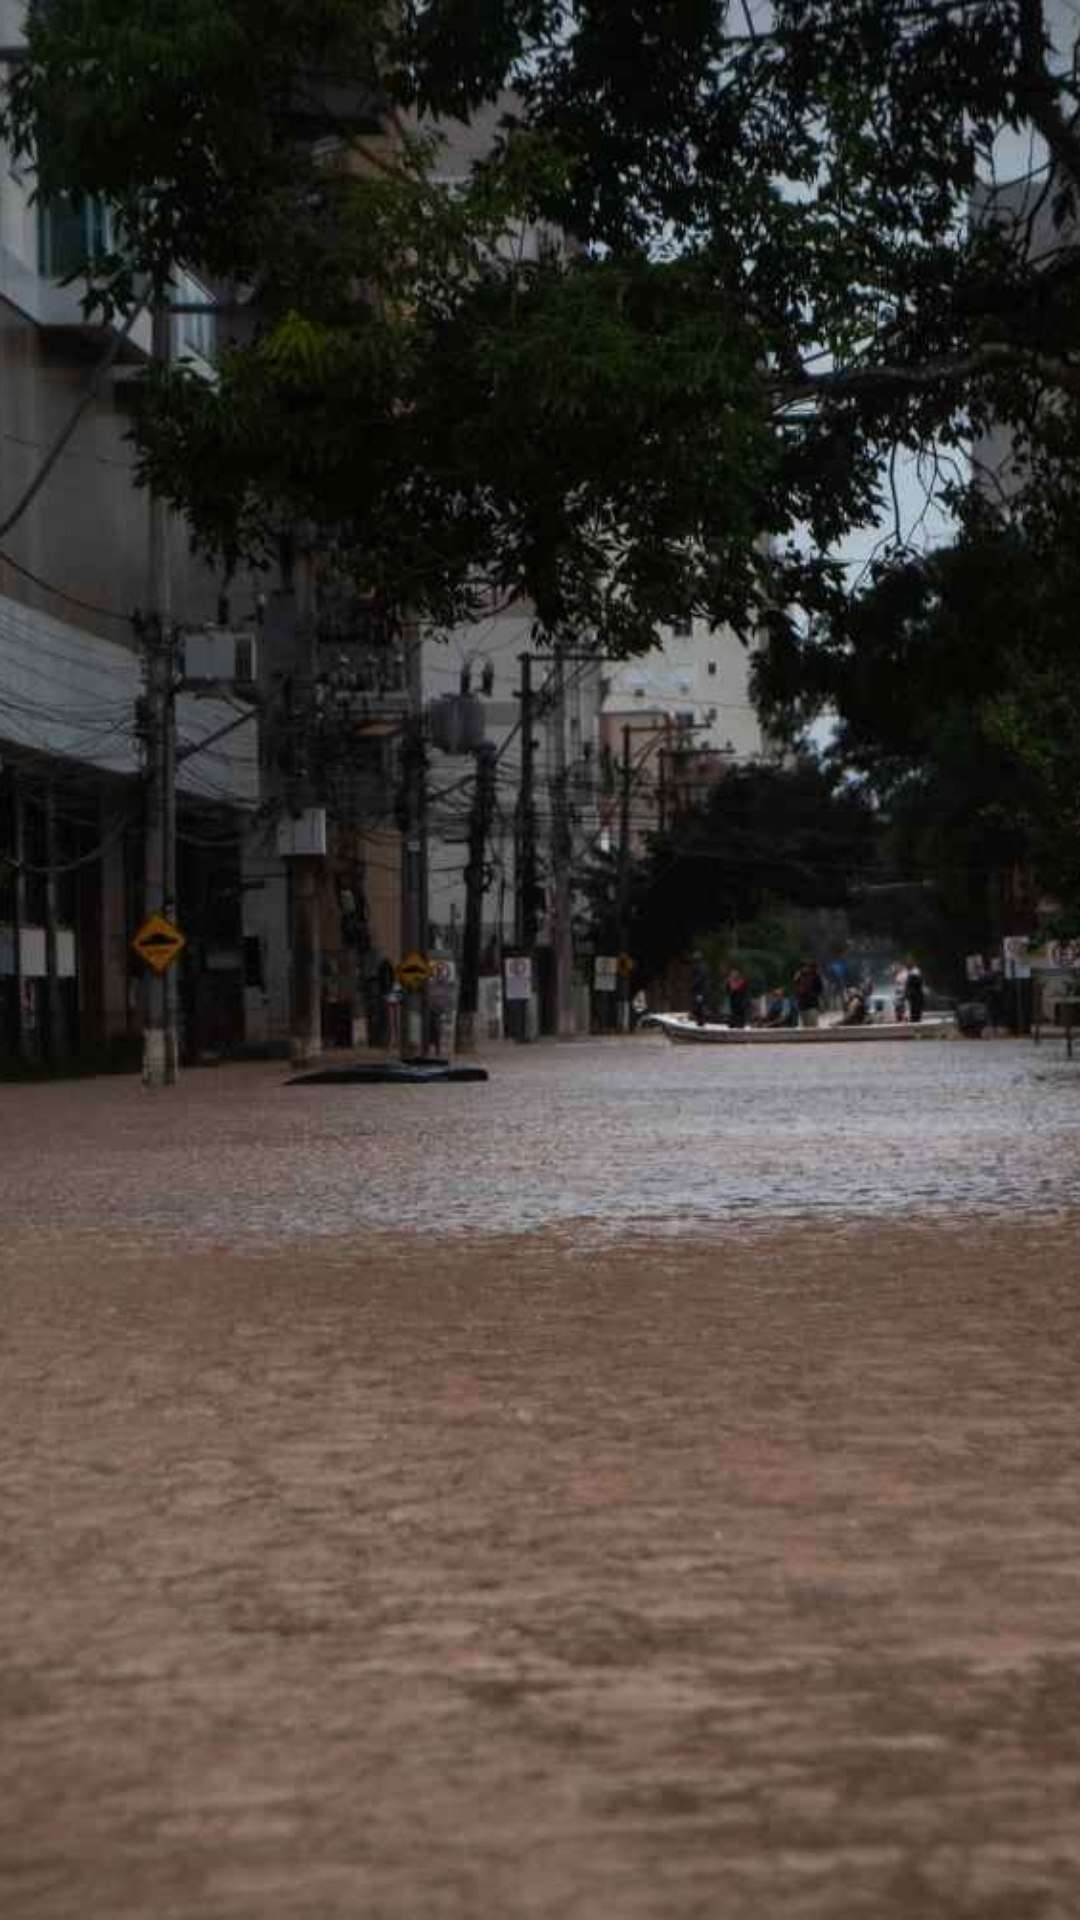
<point x="685" y="1032"/>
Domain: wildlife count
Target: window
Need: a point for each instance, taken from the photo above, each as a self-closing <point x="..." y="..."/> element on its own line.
<point x="72" y="229"/>
<point x="682" y="629"/>
<point x="194" y="332"/>
<point x="712" y="669"/>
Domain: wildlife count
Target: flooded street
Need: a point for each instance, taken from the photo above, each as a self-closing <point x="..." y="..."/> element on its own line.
<point x="602" y="1138"/>
<point x="647" y="1486"/>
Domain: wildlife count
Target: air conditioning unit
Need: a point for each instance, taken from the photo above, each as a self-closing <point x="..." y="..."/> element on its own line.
<point x="219" y="656"/>
<point x="302" y="835"/>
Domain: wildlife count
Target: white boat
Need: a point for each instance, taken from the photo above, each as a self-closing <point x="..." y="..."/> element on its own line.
<point x="685" y="1031"/>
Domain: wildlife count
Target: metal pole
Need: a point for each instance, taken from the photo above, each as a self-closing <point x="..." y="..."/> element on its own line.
<point x="562" y="852"/>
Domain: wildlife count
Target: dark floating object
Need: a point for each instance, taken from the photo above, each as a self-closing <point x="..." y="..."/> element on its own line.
<point x="407" y="1073"/>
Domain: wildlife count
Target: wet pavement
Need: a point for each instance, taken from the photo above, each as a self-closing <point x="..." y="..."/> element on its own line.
<point x="601" y="1138"/>
<point x="646" y="1485"/>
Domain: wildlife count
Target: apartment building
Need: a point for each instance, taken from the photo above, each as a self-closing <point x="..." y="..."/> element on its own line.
<point x="73" y="571"/>
<point x="678" y="718"/>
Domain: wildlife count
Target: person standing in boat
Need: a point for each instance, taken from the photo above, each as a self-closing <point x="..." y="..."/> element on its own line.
<point x="699" y="987"/>
<point x="809" y="993"/>
<point x="738" y="993"/>
<point x="915" y="992"/>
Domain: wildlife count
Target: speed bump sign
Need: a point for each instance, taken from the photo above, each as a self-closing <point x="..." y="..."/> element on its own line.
<point x="413" y="972"/>
<point x="158" y="942"/>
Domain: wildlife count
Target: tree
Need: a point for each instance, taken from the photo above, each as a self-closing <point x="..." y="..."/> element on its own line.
<point x="768" y="837"/>
<point x="444" y="407"/>
<point x="954" y="680"/>
<point x="818" y="161"/>
<point x="774" y="285"/>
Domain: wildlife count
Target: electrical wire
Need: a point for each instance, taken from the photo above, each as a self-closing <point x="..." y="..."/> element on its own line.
<point x="86" y="400"/>
<point x="70" y="866"/>
<point x="70" y="599"/>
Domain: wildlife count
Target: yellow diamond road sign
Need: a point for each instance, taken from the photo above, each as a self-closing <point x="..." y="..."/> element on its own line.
<point x="413" y="972"/>
<point x="158" y="942"/>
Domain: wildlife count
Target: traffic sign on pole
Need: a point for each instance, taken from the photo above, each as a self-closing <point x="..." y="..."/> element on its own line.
<point x="413" y="972"/>
<point x="158" y="942"/>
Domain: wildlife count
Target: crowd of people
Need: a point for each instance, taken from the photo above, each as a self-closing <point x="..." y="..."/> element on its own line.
<point x="802" y="1002"/>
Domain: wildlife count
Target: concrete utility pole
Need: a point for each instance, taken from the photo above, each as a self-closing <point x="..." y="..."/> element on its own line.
<point x="23" y="1033"/>
<point x="525" y="901"/>
<point x="483" y="808"/>
<point x="624" y="877"/>
<point x="160" y="1048"/>
<point x="562" y="855"/>
<point x="414" y="890"/>
<point x="55" y="1037"/>
<point x="306" y="870"/>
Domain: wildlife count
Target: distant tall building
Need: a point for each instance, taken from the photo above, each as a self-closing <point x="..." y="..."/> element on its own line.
<point x="680" y="717"/>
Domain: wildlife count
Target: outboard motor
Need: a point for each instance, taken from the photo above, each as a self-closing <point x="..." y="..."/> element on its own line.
<point x="972" y="1018"/>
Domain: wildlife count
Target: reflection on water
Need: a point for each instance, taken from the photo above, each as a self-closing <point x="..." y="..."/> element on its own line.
<point x="620" y="1135"/>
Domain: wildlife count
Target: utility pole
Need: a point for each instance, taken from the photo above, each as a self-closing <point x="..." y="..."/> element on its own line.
<point x="483" y="808"/>
<point x="169" y="760"/>
<point x="306" y="870"/>
<point x="55" y="1037"/>
<point x="19" y="915"/>
<point x="525" y="851"/>
<point x="159" y="1000"/>
<point x="562" y="854"/>
<point x="414" y="889"/>
<point x="624" y="878"/>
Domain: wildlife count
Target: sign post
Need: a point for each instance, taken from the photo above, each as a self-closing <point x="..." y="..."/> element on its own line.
<point x="412" y="975"/>
<point x="518" y="986"/>
<point x="442" y="996"/>
<point x="1016" y="952"/>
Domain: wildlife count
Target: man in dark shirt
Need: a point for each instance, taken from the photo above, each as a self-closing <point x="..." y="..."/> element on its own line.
<point x="914" y="992"/>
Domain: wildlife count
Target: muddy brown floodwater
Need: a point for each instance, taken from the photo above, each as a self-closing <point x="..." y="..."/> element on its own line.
<point x="644" y="1488"/>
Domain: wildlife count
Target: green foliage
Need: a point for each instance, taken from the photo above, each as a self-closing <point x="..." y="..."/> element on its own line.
<point x="772" y="281"/>
<point x="768" y="951"/>
<point x="769" y="840"/>
<point x="186" y="118"/>
<point x="955" y="682"/>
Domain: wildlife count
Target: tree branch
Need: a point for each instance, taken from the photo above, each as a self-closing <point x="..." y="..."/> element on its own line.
<point x="1038" y="91"/>
<point x="1063" y="374"/>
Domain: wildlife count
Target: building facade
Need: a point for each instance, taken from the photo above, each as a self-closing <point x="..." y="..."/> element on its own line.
<point x="672" y="723"/>
<point x="74" y="566"/>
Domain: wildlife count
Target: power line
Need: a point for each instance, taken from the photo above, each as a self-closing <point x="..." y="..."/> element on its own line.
<point x="70" y="599"/>
<point x="86" y="400"/>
